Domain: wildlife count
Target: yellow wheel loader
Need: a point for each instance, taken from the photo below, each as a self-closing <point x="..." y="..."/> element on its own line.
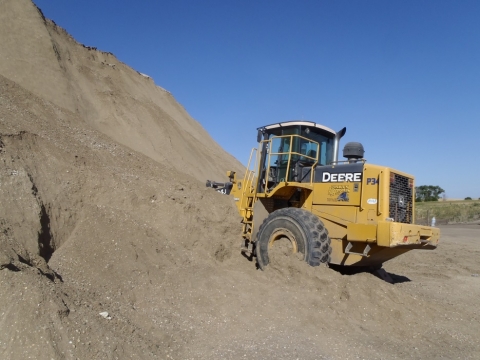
<point x="345" y="212"/>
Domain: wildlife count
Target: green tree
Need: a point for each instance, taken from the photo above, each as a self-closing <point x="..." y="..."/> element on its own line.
<point x="428" y="192"/>
<point x="468" y="198"/>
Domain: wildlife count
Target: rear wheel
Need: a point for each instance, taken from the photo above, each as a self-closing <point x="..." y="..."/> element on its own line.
<point x="305" y="231"/>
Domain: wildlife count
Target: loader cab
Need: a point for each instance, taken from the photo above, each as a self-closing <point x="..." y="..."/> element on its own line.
<point x="289" y="148"/>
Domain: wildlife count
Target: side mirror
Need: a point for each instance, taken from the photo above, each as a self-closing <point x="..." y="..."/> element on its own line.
<point x="259" y="135"/>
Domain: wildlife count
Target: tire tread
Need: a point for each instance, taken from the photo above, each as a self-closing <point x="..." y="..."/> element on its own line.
<point x="318" y="244"/>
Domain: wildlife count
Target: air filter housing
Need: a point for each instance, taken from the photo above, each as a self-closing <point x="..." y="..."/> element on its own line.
<point x="353" y="151"/>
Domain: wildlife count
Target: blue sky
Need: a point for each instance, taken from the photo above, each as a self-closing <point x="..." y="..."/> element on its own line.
<point x="402" y="76"/>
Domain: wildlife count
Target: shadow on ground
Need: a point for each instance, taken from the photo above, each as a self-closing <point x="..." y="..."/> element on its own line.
<point x="376" y="271"/>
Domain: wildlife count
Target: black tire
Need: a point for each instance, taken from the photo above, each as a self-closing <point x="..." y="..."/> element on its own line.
<point x="305" y="231"/>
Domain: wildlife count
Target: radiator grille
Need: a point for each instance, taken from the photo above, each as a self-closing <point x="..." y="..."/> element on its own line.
<point x="401" y="199"/>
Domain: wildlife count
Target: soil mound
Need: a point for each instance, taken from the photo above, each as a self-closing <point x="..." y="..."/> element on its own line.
<point x="111" y="247"/>
<point x="86" y="221"/>
<point x="108" y="95"/>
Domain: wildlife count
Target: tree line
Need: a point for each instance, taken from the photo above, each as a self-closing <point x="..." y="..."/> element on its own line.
<point x="428" y="193"/>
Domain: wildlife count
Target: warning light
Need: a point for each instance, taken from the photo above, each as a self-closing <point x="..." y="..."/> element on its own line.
<point x="405" y="239"/>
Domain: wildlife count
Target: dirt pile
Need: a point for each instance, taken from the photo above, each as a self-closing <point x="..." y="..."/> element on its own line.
<point x="109" y="251"/>
<point x="110" y="96"/>
<point x="108" y="221"/>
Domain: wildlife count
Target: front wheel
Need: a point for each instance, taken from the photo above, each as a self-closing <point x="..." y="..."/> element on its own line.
<point x="305" y="231"/>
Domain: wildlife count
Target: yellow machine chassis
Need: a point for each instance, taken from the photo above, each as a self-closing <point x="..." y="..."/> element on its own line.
<point x="360" y="231"/>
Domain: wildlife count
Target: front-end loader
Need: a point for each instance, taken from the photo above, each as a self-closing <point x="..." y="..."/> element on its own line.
<point x="347" y="212"/>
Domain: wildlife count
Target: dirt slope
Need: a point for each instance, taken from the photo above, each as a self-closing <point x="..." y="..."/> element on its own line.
<point x="110" y="96"/>
<point x="113" y="219"/>
<point x="88" y="225"/>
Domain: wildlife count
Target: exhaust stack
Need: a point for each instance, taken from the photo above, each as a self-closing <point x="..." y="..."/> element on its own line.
<point x="336" y="145"/>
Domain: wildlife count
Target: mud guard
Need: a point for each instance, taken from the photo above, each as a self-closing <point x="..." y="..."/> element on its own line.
<point x="260" y="213"/>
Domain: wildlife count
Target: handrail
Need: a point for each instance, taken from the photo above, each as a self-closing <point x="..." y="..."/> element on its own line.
<point x="294" y="152"/>
<point x="379" y="195"/>
<point x="290" y="154"/>
<point x="249" y="174"/>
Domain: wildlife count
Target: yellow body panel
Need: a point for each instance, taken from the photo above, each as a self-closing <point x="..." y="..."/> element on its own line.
<point x="391" y="234"/>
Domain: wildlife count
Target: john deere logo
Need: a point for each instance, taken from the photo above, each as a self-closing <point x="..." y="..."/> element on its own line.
<point x="341" y="177"/>
<point x="336" y="190"/>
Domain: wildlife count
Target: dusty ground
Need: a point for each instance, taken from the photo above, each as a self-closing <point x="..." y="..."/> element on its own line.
<point x="92" y="221"/>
